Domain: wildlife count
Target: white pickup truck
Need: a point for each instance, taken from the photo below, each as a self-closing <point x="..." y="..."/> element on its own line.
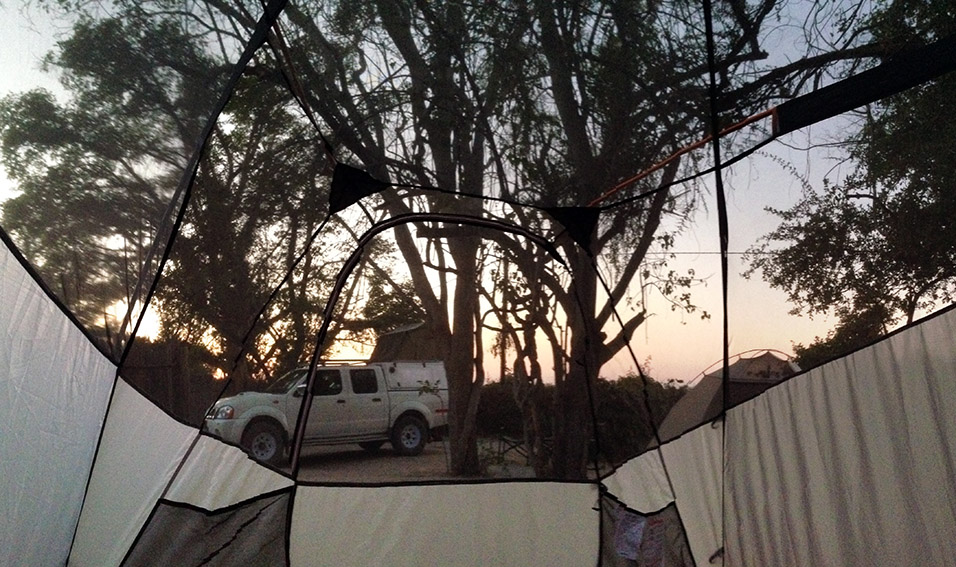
<point x="368" y="404"/>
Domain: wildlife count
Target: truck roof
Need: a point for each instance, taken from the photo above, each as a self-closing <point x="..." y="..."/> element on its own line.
<point x="404" y="374"/>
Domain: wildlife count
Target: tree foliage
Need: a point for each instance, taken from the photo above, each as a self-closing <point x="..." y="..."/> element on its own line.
<point x="624" y="413"/>
<point x="96" y="172"/>
<point x="851" y="333"/>
<point x="878" y="247"/>
<point x="534" y="103"/>
<point x="98" y="169"/>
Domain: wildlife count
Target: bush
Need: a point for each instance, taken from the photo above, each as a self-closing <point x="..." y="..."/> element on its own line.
<point x="623" y="426"/>
<point x="499" y="414"/>
<point x="624" y="429"/>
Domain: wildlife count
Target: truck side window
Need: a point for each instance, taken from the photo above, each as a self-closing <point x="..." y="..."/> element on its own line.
<point x="327" y="383"/>
<point x="364" y="381"/>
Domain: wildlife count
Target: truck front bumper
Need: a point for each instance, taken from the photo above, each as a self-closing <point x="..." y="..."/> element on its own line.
<point x="229" y="430"/>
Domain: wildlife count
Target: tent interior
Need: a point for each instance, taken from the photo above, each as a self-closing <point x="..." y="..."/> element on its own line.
<point x="688" y="269"/>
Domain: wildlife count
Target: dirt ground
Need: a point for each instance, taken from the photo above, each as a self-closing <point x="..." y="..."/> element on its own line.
<point x="352" y="464"/>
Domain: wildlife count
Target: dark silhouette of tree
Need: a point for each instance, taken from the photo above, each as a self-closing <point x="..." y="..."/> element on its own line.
<point x="878" y="247"/>
<point x="98" y="171"/>
<point x="535" y="102"/>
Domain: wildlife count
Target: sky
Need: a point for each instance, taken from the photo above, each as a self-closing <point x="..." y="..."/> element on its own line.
<point x="25" y="42"/>
<point x="680" y="345"/>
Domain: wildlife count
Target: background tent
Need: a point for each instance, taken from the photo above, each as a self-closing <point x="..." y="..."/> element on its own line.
<point x="748" y="375"/>
<point x="410" y="342"/>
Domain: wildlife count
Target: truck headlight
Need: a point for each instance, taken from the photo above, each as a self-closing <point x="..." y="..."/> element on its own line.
<point x="224" y="412"/>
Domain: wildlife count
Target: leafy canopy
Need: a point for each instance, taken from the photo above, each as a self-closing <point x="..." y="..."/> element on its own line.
<point x="879" y="247"/>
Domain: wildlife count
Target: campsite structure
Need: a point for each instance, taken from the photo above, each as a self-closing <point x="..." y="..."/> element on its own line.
<point x="748" y="375"/>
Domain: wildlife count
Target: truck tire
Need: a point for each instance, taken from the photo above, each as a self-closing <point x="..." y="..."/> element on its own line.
<point x="409" y="435"/>
<point x="265" y="441"/>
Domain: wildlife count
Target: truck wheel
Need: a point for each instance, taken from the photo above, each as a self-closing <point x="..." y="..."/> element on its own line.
<point x="371" y="446"/>
<point x="409" y="435"/>
<point x="265" y="442"/>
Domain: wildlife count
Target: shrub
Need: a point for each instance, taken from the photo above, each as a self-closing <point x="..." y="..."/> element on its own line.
<point x="623" y="426"/>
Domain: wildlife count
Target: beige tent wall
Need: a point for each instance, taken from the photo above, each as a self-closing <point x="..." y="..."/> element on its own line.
<point x="54" y="388"/>
<point x="692" y="477"/>
<point x="694" y="464"/>
<point x="216" y="475"/>
<point x="526" y="524"/>
<point x="140" y="451"/>
<point x="641" y="483"/>
<point x="853" y="463"/>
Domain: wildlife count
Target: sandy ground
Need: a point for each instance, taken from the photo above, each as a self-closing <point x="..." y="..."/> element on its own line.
<point x="352" y="464"/>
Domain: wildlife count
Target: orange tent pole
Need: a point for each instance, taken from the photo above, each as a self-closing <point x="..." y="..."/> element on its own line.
<point x="696" y="145"/>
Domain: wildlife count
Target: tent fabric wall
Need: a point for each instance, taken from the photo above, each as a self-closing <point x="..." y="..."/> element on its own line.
<point x="140" y="450"/>
<point x="685" y="471"/>
<point x="852" y="463"/>
<point x="216" y="475"/>
<point x="529" y="524"/>
<point x="54" y="388"/>
<point x="641" y="483"/>
<point x="694" y="466"/>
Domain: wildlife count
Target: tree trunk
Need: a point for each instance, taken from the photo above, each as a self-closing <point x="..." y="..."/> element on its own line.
<point x="572" y="404"/>
<point x="463" y="390"/>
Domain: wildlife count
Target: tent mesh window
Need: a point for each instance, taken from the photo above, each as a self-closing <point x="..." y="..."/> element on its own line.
<point x="252" y="534"/>
<point x="631" y="539"/>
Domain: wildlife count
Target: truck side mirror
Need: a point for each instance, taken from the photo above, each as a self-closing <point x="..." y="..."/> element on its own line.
<point x="299" y="391"/>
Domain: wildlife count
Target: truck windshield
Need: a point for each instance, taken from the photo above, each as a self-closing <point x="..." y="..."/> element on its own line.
<point x="287" y="381"/>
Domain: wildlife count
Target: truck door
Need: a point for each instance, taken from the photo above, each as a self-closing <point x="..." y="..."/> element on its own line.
<point x="368" y="407"/>
<point x="329" y="414"/>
